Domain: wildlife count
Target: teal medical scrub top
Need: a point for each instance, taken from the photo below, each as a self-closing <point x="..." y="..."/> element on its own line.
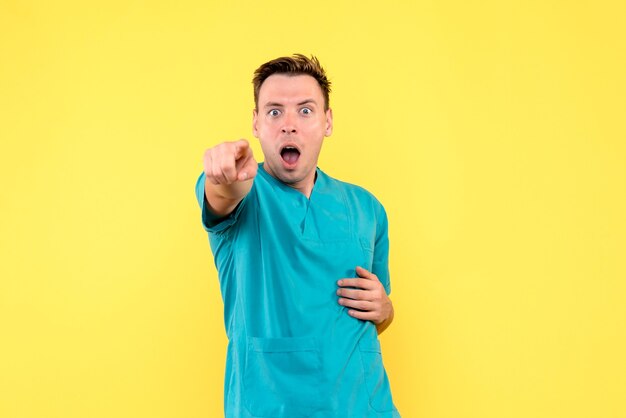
<point x="293" y="351"/>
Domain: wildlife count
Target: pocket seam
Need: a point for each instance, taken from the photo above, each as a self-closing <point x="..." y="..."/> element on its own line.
<point x="371" y="349"/>
<point x="258" y="346"/>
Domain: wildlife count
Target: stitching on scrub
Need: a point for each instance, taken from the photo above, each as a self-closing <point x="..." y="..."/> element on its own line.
<point x="250" y="373"/>
<point x="370" y="392"/>
<point x="344" y="198"/>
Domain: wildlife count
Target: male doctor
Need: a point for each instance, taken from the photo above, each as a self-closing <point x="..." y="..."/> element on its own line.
<point x="302" y="261"/>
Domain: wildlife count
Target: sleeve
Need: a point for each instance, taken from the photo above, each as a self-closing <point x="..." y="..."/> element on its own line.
<point x="380" y="266"/>
<point x="211" y="222"/>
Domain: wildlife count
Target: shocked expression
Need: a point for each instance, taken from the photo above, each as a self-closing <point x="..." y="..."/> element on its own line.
<point x="291" y="123"/>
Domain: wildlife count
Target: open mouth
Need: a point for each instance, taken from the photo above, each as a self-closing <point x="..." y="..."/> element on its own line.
<point x="290" y="154"/>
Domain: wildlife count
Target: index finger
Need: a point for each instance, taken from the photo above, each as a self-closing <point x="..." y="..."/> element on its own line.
<point x="361" y="272"/>
<point x="241" y="147"/>
<point x="359" y="283"/>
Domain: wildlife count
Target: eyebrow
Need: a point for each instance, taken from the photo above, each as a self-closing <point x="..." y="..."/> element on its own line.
<point x="307" y="101"/>
<point x="276" y="104"/>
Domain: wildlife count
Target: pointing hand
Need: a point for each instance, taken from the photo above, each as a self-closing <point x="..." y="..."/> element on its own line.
<point x="230" y="162"/>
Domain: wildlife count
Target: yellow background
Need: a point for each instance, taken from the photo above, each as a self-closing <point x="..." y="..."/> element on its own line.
<point x="493" y="132"/>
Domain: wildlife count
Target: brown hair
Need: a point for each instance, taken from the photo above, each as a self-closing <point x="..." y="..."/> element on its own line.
<point x="297" y="64"/>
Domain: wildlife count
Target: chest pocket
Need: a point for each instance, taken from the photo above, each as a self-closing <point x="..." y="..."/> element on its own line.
<point x="282" y="377"/>
<point x="327" y="220"/>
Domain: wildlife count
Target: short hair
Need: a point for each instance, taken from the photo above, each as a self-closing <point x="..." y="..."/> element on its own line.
<point x="297" y="64"/>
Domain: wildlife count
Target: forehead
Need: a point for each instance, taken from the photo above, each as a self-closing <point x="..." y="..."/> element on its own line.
<point x="285" y="88"/>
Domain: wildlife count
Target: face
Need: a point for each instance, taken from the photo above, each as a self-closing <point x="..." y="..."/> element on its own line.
<point x="291" y="124"/>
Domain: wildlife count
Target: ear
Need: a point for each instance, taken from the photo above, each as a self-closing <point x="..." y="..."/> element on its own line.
<point x="329" y="122"/>
<point x="255" y="116"/>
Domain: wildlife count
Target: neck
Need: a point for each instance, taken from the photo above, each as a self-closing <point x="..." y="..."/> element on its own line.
<point x="305" y="186"/>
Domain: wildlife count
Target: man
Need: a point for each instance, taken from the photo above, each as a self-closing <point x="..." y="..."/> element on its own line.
<point x="302" y="261"/>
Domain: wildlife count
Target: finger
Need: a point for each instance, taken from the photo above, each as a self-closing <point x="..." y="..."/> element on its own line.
<point x="208" y="168"/>
<point x="214" y="173"/>
<point x="361" y="305"/>
<point x="246" y="166"/>
<point x="360" y="283"/>
<point x="361" y="272"/>
<point x="218" y="175"/>
<point x="241" y="147"/>
<point x="229" y="173"/>
<point x="364" y="316"/>
<point x="228" y="166"/>
<point x="248" y="172"/>
<point x="354" y="294"/>
<point x="212" y="180"/>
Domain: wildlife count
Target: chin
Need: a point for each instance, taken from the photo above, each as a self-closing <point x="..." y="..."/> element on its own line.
<point x="290" y="177"/>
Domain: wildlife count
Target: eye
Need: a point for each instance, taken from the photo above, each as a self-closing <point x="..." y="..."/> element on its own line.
<point x="274" y="112"/>
<point x="306" y="111"/>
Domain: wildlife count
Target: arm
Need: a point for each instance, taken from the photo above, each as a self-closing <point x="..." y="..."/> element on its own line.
<point x="230" y="168"/>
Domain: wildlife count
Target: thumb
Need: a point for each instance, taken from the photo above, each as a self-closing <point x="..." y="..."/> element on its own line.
<point x="247" y="166"/>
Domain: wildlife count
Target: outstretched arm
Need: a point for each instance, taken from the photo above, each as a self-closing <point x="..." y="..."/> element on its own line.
<point x="229" y="168"/>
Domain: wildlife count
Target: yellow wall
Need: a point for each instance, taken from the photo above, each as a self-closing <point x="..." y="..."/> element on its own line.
<point x="494" y="133"/>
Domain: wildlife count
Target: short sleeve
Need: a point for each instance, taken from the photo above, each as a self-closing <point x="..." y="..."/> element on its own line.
<point x="380" y="265"/>
<point x="211" y="222"/>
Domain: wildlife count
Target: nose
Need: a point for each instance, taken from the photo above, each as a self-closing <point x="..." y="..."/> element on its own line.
<point x="289" y="124"/>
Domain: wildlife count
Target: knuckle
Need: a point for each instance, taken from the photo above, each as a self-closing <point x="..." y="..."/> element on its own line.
<point x="226" y="166"/>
